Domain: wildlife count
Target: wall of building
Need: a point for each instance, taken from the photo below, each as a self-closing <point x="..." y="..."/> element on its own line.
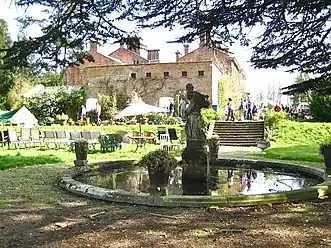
<point x="226" y="64"/>
<point x="75" y="73"/>
<point x="216" y="75"/>
<point x="99" y="79"/>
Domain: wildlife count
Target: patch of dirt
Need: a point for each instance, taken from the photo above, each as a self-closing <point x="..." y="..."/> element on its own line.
<point x="35" y="212"/>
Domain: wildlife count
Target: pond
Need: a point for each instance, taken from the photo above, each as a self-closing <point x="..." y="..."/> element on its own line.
<point x="220" y="182"/>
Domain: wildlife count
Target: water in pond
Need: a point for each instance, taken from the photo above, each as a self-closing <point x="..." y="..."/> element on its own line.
<point x="221" y="181"/>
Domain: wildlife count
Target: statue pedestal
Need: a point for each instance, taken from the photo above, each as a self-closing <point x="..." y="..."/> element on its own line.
<point x="79" y="162"/>
<point x="81" y="149"/>
<point x="194" y="179"/>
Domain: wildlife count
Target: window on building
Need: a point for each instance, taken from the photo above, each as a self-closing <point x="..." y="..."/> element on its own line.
<point x="184" y="73"/>
<point x="133" y="75"/>
<point x="166" y="74"/>
<point x="201" y="73"/>
<point x="148" y="74"/>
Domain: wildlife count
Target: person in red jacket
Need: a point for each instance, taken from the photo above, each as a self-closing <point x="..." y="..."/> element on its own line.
<point x="277" y="108"/>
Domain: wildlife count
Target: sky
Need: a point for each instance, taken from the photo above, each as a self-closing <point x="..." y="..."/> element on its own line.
<point x="257" y="79"/>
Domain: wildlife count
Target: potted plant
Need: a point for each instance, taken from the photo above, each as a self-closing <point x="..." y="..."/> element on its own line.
<point x="159" y="164"/>
<point x="49" y="121"/>
<point x="325" y="150"/>
<point x="263" y="144"/>
<point x="63" y="119"/>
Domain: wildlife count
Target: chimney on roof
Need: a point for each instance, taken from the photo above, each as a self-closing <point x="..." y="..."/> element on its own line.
<point x="93" y="47"/>
<point x="186" y="46"/>
<point x="153" y="56"/>
<point x="204" y="39"/>
<point x="122" y="44"/>
<point x="134" y="48"/>
<point x="177" y="55"/>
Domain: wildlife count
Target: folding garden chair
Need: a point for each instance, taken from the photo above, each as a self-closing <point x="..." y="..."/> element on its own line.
<point x="25" y="137"/>
<point x="13" y="139"/>
<point x="174" y="139"/>
<point x="50" y="138"/>
<point x="165" y="142"/>
<point x="35" y="136"/>
<point x="62" y="138"/>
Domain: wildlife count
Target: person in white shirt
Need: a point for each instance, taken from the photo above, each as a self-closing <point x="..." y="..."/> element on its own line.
<point x="230" y="110"/>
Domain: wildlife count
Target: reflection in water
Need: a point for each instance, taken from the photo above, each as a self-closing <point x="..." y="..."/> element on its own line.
<point x="221" y="181"/>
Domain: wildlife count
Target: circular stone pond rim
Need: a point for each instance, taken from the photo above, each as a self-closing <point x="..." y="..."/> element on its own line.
<point x="121" y="196"/>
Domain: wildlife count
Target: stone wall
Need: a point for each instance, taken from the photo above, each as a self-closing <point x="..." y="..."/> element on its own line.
<point x="151" y="83"/>
<point x="75" y="73"/>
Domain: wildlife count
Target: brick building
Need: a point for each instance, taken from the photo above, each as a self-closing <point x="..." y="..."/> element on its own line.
<point x="126" y="70"/>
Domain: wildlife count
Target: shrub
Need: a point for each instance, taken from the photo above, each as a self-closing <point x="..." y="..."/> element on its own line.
<point x="158" y="161"/>
<point x="111" y="103"/>
<point x="273" y="118"/>
<point x="55" y="102"/>
<point x="209" y="115"/>
<point x="70" y="102"/>
<point x="320" y="107"/>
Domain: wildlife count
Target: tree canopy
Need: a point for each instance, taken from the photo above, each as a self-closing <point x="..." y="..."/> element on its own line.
<point x="6" y="77"/>
<point x="293" y="33"/>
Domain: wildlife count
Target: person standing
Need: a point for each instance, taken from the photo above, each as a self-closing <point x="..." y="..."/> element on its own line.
<point x="171" y="108"/>
<point x="249" y="111"/>
<point x="182" y="107"/>
<point x="230" y="110"/>
<point x="242" y="109"/>
<point x="98" y="109"/>
<point x="83" y="114"/>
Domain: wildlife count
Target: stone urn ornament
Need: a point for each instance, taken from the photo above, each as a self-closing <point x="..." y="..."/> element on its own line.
<point x="213" y="145"/>
<point x="263" y="145"/>
<point x="81" y="150"/>
<point x="325" y="150"/>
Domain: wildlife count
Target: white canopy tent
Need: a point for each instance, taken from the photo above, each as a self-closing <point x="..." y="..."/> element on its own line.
<point x="139" y="109"/>
<point x="24" y="117"/>
<point x="136" y="109"/>
<point x="37" y="89"/>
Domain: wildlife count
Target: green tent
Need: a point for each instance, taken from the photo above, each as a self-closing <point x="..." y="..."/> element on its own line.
<point x="6" y="115"/>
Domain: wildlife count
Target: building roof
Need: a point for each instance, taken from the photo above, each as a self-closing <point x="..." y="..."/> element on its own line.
<point x="127" y="50"/>
<point x="222" y="51"/>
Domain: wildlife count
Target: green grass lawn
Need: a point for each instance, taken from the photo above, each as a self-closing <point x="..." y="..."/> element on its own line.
<point x="308" y="153"/>
<point x="295" y="141"/>
<point x="299" y="141"/>
<point x="304" y="133"/>
<point x="34" y="156"/>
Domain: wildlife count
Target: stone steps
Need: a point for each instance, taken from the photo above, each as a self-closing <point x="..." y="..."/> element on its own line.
<point x="238" y="133"/>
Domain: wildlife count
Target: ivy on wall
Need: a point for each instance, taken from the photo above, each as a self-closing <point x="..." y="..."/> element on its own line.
<point x="230" y="87"/>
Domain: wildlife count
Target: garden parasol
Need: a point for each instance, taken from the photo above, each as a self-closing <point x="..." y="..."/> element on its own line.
<point x="138" y="109"/>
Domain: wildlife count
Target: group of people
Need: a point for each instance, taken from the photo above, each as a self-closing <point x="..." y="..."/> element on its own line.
<point x="246" y="107"/>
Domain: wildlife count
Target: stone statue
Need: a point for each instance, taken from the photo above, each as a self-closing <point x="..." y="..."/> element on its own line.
<point x="197" y="101"/>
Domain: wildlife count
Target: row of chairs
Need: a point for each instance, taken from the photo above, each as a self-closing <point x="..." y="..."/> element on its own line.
<point x="33" y="136"/>
<point x="67" y="138"/>
<point x="29" y="136"/>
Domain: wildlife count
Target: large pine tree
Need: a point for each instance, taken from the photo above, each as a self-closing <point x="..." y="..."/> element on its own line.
<point x="291" y="33"/>
<point x="6" y="76"/>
